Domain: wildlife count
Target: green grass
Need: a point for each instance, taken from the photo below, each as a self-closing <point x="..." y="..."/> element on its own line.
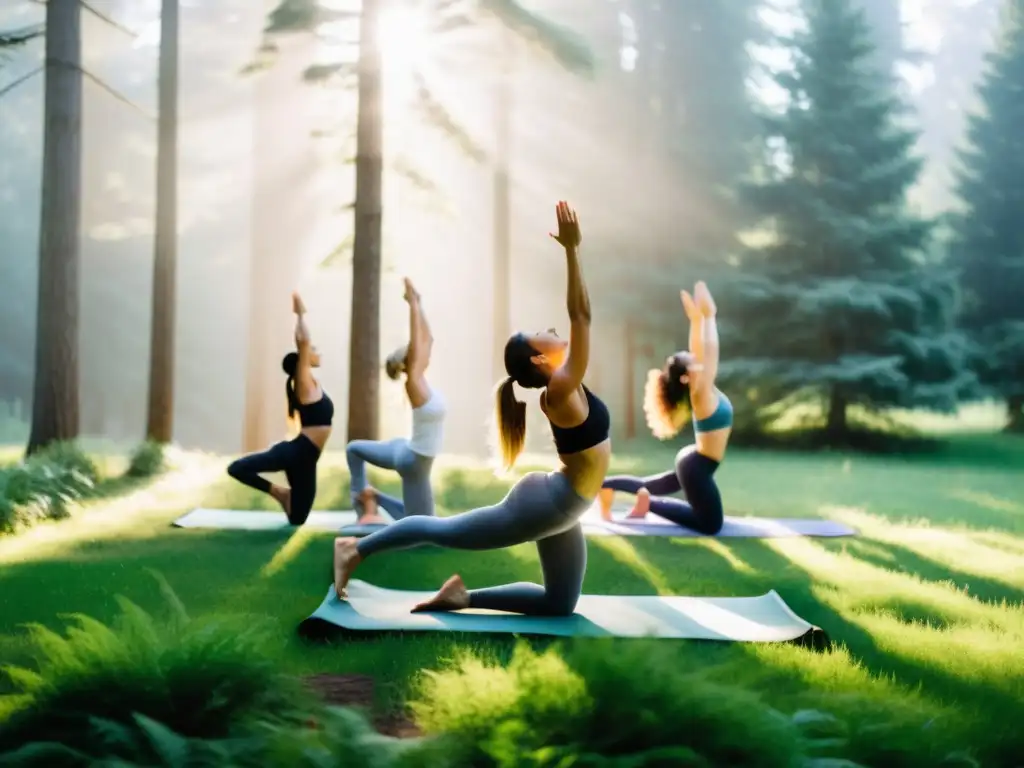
<point x="926" y="603"/>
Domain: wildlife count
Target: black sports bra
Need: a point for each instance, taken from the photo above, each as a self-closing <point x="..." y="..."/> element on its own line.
<point x="594" y="429"/>
<point x="319" y="413"/>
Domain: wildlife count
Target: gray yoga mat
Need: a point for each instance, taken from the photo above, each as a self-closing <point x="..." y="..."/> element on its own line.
<point x="763" y="619"/>
<point x="258" y="520"/>
<point x="734" y="527"/>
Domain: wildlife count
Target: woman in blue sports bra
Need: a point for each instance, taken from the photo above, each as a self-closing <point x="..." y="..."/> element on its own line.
<point x="682" y="390"/>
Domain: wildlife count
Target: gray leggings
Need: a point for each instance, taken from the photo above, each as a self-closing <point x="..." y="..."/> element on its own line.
<point x="541" y="507"/>
<point x="414" y="469"/>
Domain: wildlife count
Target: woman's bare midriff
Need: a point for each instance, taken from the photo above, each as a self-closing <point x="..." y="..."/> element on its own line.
<point x="317" y="435"/>
<point x="586" y="470"/>
<point x="713" y="444"/>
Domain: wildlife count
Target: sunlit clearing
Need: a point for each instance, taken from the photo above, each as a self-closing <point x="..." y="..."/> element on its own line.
<point x="986" y="500"/>
<point x="626" y="554"/>
<point x="175" y="492"/>
<point x="855" y="587"/>
<point x="727" y="554"/>
<point x="287" y="553"/>
<point x="955" y="550"/>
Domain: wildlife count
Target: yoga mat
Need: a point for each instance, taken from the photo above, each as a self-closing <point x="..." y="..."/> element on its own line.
<point x="257" y="520"/>
<point x="357" y="529"/>
<point x="734" y="527"/>
<point x="763" y="619"/>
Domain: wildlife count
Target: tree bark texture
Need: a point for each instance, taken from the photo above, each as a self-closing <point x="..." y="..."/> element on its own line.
<point x="55" y="407"/>
<point x="160" y="420"/>
<point x="364" y="346"/>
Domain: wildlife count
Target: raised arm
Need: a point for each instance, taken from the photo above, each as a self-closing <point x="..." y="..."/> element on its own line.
<point x="570" y="375"/>
<point x="702" y="312"/>
<point x="304" y="381"/>
<point x="421" y="342"/>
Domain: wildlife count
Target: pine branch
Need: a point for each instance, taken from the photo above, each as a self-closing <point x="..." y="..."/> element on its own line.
<point x="438" y="115"/>
<point x="11" y="86"/>
<point x="102" y="84"/>
<point x="17" y="37"/>
<point x="101" y="16"/>
<point x="566" y="47"/>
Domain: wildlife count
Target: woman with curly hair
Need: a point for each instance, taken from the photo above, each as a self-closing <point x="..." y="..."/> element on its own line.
<point x="682" y="390"/>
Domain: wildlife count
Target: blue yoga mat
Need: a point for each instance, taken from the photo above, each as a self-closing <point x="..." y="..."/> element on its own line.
<point x="762" y="619"/>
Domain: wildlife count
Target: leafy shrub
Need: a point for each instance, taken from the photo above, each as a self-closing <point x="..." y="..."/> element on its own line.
<point x="337" y="737"/>
<point x="99" y="686"/>
<point x="147" y="460"/>
<point x="624" y="704"/>
<point x="44" y="485"/>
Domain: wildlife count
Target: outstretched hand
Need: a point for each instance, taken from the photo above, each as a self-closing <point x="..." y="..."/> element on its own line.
<point x="569" y="235"/>
<point x="411" y="294"/>
<point x="298" y="306"/>
<point x="705" y="303"/>
<point x="689" y="306"/>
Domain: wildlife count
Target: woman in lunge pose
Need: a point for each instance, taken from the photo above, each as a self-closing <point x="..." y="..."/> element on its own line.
<point x="541" y="507"/>
<point x="684" y="389"/>
<point x="297" y="458"/>
<point x="412" y="458"/>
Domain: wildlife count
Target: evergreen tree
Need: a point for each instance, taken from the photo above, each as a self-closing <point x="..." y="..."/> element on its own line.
<point x="839" y="301"/>
<point x="988" y="243"/>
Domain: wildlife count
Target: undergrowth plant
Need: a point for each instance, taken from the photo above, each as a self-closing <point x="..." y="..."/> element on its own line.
<point x="44" y="486"/>
<point x="109" y="690"/>
<point x="147" y="460"/>
<point x="620" y="704"/>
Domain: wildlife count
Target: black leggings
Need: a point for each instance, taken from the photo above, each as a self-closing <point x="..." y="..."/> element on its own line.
<point x="297" y="459"/>
<point x="694" y="475"/>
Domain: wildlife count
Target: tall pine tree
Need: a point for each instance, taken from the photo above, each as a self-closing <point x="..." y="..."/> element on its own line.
<point x="988" y="243"/>
<point x="839" y="300"/>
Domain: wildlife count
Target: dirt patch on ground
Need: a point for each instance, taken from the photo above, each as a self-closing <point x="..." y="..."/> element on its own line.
<point x="357" y="691"/>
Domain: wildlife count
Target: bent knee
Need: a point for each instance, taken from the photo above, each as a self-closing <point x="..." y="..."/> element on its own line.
<point x="235" y="469"/>
<point x="560" y="606"/>
<point x="713" y="526"/>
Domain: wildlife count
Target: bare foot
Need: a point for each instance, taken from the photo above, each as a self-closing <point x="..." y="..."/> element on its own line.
<point x="283" y="497"/>
<point x="605" y="497"/>
<point x="642" y="505"/>
<point x="346" y="558"/>
<point x="368" y="502"/>
<point x="453" y="596"/>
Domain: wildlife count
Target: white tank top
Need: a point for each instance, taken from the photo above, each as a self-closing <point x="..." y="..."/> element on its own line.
<point x="428" y="426"/>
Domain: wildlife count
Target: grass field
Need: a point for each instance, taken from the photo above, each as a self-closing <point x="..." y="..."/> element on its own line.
<point x="925" y="605"/>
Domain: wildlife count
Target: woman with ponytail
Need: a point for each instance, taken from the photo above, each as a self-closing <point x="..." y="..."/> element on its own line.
<point x="683" y="390"/>
<point x="412" y="458"/>
<point x="541" y="507"/>
<point x="296" y="458"/>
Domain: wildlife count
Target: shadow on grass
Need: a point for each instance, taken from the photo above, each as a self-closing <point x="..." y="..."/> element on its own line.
<point x="994" y="710"/>
<point x="896" y="557"/>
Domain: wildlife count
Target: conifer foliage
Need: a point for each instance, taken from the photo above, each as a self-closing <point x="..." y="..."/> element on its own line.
<point x="839" y="300"/>
<point x="988" y="245"/>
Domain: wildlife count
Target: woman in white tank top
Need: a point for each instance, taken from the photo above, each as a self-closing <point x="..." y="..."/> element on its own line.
<point x="412" y="458"/>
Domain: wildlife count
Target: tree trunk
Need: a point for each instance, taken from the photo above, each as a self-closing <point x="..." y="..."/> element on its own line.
<point x="501" y="298"/>
<point x="629" y="370"/>
<point x="1015" y="406"/>
<point x="364" y="346"/>
<point x="160" y="422"/>
<point x="835" y="425"/>
<point x="55" y="397"/>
